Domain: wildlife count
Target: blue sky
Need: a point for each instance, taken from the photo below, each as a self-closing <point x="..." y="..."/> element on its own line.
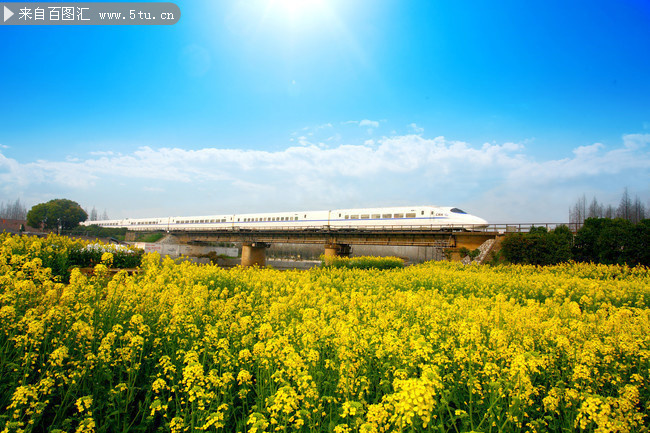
<point x="510" y="109"/>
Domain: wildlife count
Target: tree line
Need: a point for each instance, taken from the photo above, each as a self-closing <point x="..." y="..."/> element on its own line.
<point x="630" y="209"/>
<point x="13" y="211"/>
<point x="599" y="240"/>
<point x="50" y="214"/>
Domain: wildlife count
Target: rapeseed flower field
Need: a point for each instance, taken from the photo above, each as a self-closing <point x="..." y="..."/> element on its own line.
<point x="438" y="347"/>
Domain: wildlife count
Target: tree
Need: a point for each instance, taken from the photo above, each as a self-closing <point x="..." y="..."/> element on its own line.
<point x="13" y="211"/>
<point x="595" y="209"/>
<point x="613" y="241"/>
<point x="56" y="213"/>
<point x="638" y="211"/>
<point x="93" y="214"/>
<point x="578" y="212"/>
<point x="539" y="246"/>
<point x="104" y="215"/>
<point x="624" y="209"/>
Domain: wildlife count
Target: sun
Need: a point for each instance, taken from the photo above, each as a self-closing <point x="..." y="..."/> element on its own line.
<point x="297" y="6"/>
<point x="296" y="10"/>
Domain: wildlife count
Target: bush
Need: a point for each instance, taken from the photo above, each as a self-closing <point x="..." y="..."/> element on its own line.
<point x="613" y="241"/>
<point x="100" y="232"/>
<point x="539" y="246"/>
<point x="91" y="254"/>
<point x="362" y="262"/>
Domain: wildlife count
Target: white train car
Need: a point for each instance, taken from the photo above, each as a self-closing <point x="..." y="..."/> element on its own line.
<point x="206" y="222"/>
<point x="396" y="218"/>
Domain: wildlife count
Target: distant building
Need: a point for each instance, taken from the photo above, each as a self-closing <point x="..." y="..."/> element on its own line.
<point x="12" y="226"/>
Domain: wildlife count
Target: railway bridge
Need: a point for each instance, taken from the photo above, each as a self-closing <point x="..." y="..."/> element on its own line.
<point x="337" y="242"/>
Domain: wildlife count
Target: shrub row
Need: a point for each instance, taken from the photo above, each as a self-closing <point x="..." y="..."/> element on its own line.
<point x="365" y="262"/>
<point x="599" y="240"/>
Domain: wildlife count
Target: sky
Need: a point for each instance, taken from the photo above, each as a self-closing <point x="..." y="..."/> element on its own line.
<point x="510" y="110"/>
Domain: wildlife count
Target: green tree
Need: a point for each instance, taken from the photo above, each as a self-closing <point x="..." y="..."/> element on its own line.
<point x="63" y="213"/>
<point x="613" y="241"/>
<point x="539" y="246"/>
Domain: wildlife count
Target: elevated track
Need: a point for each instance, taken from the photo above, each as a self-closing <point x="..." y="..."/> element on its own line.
<point x="337" y="241"/>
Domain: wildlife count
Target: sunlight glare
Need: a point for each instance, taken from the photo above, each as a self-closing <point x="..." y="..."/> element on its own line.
<point x="297" y="10"/>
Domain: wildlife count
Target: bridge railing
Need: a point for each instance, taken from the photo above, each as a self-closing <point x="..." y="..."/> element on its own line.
<point x="501" y="228"/>
<point x="526" y="227"/>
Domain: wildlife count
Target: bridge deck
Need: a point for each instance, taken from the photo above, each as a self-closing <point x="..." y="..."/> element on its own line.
<point x="417" y="237"/>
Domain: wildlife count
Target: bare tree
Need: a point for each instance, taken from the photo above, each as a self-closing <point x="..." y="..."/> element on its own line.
<point x="14" y="211"/>
<point x="624" y="209"/>
<point x="638" y="210"/>
<point x="93" y="214"/>
<point x="578" y="212"/>
<point x="104" y="215"/>
<point x="595" y="209"/>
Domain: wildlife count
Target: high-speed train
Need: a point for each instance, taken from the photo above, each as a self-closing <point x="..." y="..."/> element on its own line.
<point x="395" y="218"/>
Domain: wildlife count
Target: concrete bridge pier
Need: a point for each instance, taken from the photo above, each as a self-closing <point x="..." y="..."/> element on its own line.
<point x="337" y="250"/>
<point x="254" y="253"/>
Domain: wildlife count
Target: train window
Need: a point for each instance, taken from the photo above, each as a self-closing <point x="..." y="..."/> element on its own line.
<point x="456" y="210"/>
<point x="223" y="220"/>
<point x="399" y="215"/>
<point x="422" y="213"/>
<point x="365" y="217"/>
<point x="305" y="216"/>
<point x="410" y="215"/>
<point x="376" y="216"/>
<point x="387" y="215"/>
<point x="354" y="217"/>
<point x="339" y="215"/>
<point x="347" y="217"/>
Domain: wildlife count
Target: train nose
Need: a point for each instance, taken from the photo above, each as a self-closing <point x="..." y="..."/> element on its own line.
<point x="479" y="222"/>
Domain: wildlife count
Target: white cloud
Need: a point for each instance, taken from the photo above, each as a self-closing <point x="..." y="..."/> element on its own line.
<point x="497" y="181"/>
<point x="415" y="128"/>
<point x="585" y="151"/>
<point x="370" y="123"/>
<point x="362" y="123"/>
